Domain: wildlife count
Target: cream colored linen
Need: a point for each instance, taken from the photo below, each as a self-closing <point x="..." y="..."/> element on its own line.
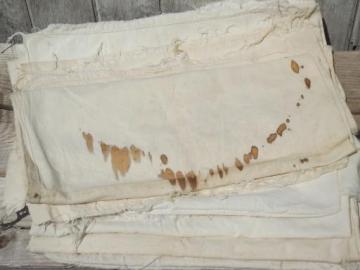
<point x="202" y="110"/>
<point x="333" y="249"/>
<point x="207" y="137"/>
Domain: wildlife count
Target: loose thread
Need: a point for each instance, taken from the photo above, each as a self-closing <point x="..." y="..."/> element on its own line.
<point x="8" y="47"/>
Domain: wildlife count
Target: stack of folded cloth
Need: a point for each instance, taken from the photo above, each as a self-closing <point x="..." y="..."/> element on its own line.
<point x="213" y="138"/>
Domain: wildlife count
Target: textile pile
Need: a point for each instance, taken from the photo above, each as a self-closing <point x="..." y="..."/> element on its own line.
<point x="213" y="138"/>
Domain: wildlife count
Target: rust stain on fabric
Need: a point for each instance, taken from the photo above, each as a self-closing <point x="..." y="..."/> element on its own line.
<point x="164" y="159"/>
<point x="239" y="164"/>
<point x="303" y="160"/>
<point x="298" y="104"/>
<point x="295" y="66"/>
<point x="271" y="138"/>
<point x="211" y="172"/>
<point x="120" y="160"/>
<point x="247" y="158"/>
<point x="169" y="175"/>
<point x="89" y="141"/>
<point x="105" y="149"/>
<point x="135" y="153"/>
<point x="280" y="130"/>
<point x="287" y="120"/>
<point x="220" y="172"/>
<point x="192" y="179"/>
<point x="181" y="180"/>
<point x="254" y="152"/>
<point x="307" y="83"/>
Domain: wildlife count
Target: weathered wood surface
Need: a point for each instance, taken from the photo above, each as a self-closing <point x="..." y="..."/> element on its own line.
<point x="339" y="16"/>
<point x="14" y="17"/>
<point x="115" y="10"/>
<point x="347" y="67"/>
<point x="45" y="12"/>
<point x="169" y="6"/>
<point x="355" y="36"/>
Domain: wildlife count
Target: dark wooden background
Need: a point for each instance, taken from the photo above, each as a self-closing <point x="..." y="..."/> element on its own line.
<point x="342" y="17"/>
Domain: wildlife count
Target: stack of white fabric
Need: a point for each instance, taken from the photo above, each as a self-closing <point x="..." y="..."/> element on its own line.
<point x="212" y="138"/>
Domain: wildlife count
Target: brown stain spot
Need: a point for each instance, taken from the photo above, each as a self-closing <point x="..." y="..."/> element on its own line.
<point x="169" y="175"/>
<point x="280" y="130"/>
<point x="150" y="156"/>
<point x="303" y="160"/>
<point x="298" y="104"/>
<point x="105" y="149"/>
<point x="239" y="164"/>
<point x="294" y="66"/>
<point x="225" y="169"/>
<point x="307" y="83"/>
<point x="120" y="160"/>
<point x="211" y="172"/>
<point x="192" y="179"/>
<point x="302" y="96"/>
<point x="302" y="66"/>
<point x="271" y="137"/>
<point x="247" y="158"/>
<point x="36" y="195"/>
<point x="164" y="159"/>
<point x="254" y="152"/>
<point x="135" y="153"/>
<point x="89" y="141"/>
<point x="287" y="120"/>
<point x="220" y="172"/>
<point x="181" y="180"/>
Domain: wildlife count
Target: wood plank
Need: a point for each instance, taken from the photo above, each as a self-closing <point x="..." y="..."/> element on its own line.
<point x="347" y="67"/>
<point x="14" y="17"/>
<point x="354" y="105"/>
<point x="109" y="10"/>
<point x="355" y="36"/>
<point x="44" y="12"/>
<point x="339" y="17"/>
<point x="170" y="6"/>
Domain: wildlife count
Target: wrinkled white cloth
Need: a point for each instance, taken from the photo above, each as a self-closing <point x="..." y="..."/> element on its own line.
<point x="201" y="138"/>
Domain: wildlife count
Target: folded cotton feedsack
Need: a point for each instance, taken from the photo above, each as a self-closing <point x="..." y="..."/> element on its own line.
<point x="213" y="138"/>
